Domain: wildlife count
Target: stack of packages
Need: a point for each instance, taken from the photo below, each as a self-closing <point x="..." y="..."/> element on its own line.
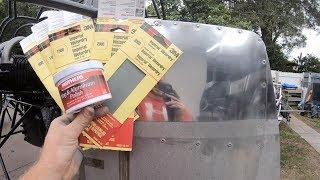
<point x="82" y="61"/>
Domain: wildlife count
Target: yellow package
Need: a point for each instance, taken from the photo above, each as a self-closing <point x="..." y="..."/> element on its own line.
<point x="40" y="32"/>
<point x="109" y="35"/>
<point x="72" y="43"/>
<point x="31" y="50"/>
<point x="148" y="55"/>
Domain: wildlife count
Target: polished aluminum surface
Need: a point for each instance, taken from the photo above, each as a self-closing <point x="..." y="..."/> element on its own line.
<point x="224" y="79"/>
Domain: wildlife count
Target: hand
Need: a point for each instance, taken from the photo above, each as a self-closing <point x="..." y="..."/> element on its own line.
<point x="60" y="157"/>
<point x="183" y="113"/>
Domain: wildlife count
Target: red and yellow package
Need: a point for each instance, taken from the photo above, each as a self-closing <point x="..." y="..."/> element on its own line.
<point x="120" y="139"/>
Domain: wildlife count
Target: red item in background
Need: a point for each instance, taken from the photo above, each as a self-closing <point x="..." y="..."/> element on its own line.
<point x="152" y="108"/>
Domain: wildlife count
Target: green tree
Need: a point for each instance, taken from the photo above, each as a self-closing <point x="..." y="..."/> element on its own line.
<point x="23" y="9"/>
<point x="279" y="22"/>
<point x="202" y="11"/>
<point x="279" y="60"/>
<point x="307" y="63"/>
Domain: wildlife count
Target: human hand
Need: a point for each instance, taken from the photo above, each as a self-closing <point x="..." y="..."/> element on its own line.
<point x="60" y="157"/>
<point x="183" y="113"/>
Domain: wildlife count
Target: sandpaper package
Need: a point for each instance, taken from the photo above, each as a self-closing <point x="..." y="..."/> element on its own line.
<point x="32" y="52"/>
<point x="135" y="57"/>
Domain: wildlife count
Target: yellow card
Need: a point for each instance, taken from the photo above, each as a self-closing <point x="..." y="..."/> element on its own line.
<point x="72" y="43"/>
<point x="149" y="52"/>
<point x="40" y="32"/>
<point x="109" y="36"/>
<point x="31" y="50"/>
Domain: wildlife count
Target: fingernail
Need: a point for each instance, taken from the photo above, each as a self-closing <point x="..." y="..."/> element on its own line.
<point x="88" y="111"/>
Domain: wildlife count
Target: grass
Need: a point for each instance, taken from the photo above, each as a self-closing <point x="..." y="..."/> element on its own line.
<point x="298" y="159"/>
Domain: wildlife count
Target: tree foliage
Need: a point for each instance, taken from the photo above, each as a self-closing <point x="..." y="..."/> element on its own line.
<point x="23" y="9"/>
<point x="307" y="63"/>
<point x="202" y="11"/>
<point x="279" y="22"/>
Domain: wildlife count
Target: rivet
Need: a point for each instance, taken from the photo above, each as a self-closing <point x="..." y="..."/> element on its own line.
<point x="163" y="140"/>
<point x="156" y="23"/>
<point x="198" y="143"/>
<point x="239" y="31"/>
<point x="198" y="25"/>
<point x="219" y="28"/>
<point x="264" y="61"/>
<point x="229" y="145"/>
<point x="175" y="23"/>
<point x="260" y="145"/>
<point x="264" y="84"/>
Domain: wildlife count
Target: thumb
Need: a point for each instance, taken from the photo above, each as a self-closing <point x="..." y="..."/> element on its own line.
<point x="82" y="120"/>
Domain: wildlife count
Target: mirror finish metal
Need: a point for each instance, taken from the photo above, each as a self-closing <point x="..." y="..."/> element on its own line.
<point x="224" y="78"/>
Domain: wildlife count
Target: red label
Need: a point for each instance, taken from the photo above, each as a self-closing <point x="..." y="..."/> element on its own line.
<point x="122" y="138"/>
<point x="102" y="128"/>
<point x="83" y="87"/>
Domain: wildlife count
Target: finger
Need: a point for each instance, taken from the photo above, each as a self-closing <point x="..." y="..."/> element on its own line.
<point x="171" y="103"/>
<point x="172" y="97"/>
<point x="82" y="120"/>
<point x="101" y="111"/>
<point x="65" y="119"/>
<point x="176" y="106"/>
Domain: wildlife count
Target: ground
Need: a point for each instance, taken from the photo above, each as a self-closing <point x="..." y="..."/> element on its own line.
<point x="298" y="159"/>
<point x="313" y="123"/>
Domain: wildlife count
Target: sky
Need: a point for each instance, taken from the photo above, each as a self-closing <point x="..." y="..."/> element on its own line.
<point x="312" y="47"/>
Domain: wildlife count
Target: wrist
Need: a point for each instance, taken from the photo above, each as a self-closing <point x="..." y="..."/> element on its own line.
<point x="39" y="171"/>
<point x="48" y="171"/>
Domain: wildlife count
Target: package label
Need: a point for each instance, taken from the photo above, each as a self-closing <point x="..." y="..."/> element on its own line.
<point x="83" y="87"/>
<point x="32" y="52"/>
<point x="121" y="9"/>
<point x="72" y="43"/>
<point x="40" y="32"/>
<point x="120" y="140"/>
<point x="110" y="35"/>
<point x="151" y="53"/>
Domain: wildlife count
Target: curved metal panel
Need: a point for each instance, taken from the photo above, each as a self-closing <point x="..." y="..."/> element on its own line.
<point x="222" y="74"/>
<point x="224" y="79"/>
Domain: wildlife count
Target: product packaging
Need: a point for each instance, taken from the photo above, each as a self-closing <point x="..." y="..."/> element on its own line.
<point x="71" y="38"/>
<point x="32" y="52"/>
<point x="109" y="35"/>
<point x="40" y="32"/>
<point x="82" y="84"/>
<point x="143" y="59"/>
<point x="121" y="140"/>
<point x="124" y="9"/>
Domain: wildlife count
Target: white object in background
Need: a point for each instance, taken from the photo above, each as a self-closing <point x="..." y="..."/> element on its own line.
<point x="121" y="9"/>
<point x="40" y="30"/>
<point x="55" y="20"/>
<point x="26" y="42"/>
<point x="288" y="77"/>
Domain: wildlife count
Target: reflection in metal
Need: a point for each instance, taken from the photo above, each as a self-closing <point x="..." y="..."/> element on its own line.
<point x="224" y="78"/>
<point x="311" y="98"/>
